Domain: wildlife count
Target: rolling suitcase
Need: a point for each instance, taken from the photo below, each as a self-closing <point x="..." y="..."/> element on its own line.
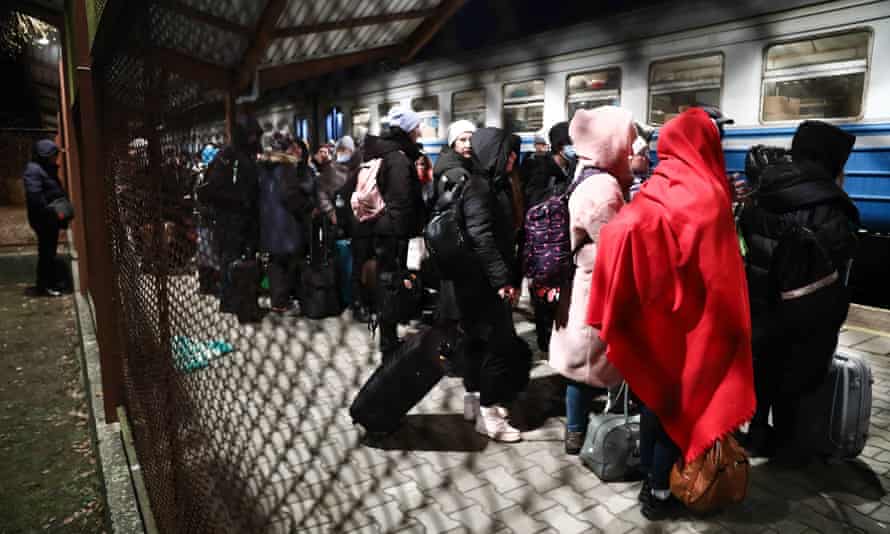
<point x="835" y="418"/>
<point x="318" y="280"/>
<point x="344" y="270"/>
<point x="401" y="381"/>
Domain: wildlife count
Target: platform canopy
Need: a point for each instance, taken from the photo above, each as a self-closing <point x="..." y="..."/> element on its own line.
<point x="231" y="44"/>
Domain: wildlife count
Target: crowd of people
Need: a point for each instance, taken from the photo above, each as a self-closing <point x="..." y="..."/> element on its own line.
<point x="689" y="286"/>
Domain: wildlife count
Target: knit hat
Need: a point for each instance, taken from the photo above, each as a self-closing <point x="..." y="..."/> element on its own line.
<point x="406" y="120"/>
<point x="823" y="143"/>
<point x="540" y="139"/>
<point x="559" y="136"/>
<point x="45" y="148"/>
<point x="459" y="127"/>
<point x="345" y="143"/>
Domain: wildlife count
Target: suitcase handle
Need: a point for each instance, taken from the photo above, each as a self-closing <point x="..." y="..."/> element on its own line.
<point x="846" y="391"/>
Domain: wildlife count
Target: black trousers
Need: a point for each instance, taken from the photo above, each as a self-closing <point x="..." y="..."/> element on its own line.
<point x="362" y="251"/>
<point x="283" y="270"/>
<point x="489" y="362"/>
<point x="658" y="453"/>
<point x="47" y="243"/>
<point x="545" y="313"/>
<point x="392" y="256"/>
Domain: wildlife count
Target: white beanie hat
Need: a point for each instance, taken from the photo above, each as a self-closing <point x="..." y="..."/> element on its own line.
<point x="458" y="128"/>
<point x="406" y="120"/>
<point x="345" y="143"/>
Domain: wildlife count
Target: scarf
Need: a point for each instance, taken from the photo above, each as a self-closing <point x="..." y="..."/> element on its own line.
<point x="669" y="292"/>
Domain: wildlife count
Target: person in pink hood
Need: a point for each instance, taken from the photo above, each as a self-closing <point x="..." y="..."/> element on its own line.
<point x="603" y="139"/>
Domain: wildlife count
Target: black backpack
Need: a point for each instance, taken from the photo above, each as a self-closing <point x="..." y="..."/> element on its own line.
<point x="759" y="157"/>
<point x="445" y="235"/>
<point x="801" y="264"/>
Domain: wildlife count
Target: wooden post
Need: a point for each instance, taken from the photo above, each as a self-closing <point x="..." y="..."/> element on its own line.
<point x="72" y="171"/>
<point x="230" y="115"/>
<point x="99" y="256"/>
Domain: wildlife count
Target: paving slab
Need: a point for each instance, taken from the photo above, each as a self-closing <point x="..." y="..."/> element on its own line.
<point x="280" y="406"/>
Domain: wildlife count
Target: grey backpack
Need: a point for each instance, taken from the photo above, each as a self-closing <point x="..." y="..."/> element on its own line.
<point x="612" y="445"/>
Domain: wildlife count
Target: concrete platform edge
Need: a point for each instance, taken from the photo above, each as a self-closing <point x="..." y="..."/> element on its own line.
<point x="121" y="506"/>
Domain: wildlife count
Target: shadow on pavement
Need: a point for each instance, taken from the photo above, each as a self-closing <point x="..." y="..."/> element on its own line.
<point x="433" y="432"/>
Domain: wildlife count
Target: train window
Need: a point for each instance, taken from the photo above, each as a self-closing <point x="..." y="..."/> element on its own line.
<point x="524" y="106"/>
<point x="383" y="111"/>
<point x="427" y="107"/>
<point x="361" y="123"/>
<point x="469" y="105"/>
<point x="588" y="90"/>
<point x="334" y="124"/>
<point x="301" y="128"/>
<point x="815" y="78"/>
<point x="677" y="84"/>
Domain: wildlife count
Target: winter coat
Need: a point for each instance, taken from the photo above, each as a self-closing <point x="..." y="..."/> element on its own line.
<point x="331" y="177"/>
<point x="576" y="350"/>
<point x="225" y="194"/>
<point x="447" y="162"/>
<point x="286" y="194"/>
<point x="801" y="193"/>
<point x="541" y="178"/>
<point x="42" y="186"/>
<point x="487" y="208"/>
<point x="398" y="184"/>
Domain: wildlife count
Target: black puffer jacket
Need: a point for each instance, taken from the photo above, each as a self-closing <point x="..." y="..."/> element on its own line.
<point x="541" y="178"/>
<point x="487" y="207"/>
<point x="398" y="183"/>
<point x="42" y="186"/>
<point x="800" y="193"/>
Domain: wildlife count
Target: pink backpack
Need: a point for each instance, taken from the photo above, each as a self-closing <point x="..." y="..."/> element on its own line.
<point x="367" y="203"/>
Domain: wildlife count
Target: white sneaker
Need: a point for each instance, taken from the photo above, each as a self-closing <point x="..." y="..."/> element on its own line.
<point x="471" y="405"/>
<point x="492" y="422"/>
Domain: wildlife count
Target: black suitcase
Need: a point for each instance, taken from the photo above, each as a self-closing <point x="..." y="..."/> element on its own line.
<point x="241" y="294"/>
<point x="320" y="294"/>
<point x="401" y="381"/>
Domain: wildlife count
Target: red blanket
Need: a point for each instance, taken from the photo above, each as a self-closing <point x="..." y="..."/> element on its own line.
<point x="669" y="292"/>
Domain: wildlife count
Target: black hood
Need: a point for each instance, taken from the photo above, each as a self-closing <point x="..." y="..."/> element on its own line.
<point x="789" y="187"/>
<point x="492" y="147"/>
<point x="449" y="159"/>
<point x="395" y="139"/>
<point x="824" y="144"/>
<point x="246" y="134"/>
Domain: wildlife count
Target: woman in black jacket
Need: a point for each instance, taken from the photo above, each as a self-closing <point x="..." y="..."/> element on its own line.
<point x="485" y="296"/>
<point x="798" y="302"/>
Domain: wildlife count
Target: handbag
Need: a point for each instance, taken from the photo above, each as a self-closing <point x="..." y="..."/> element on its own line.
<point x="63" y="209"/>
<point x="717" y="478"/>
<point x="612" y="446"/>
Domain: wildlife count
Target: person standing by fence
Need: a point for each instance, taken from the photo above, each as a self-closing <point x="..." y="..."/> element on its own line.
<point x="42" y="187"/>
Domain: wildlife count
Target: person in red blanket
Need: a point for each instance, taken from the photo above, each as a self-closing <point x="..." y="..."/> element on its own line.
<point x="670" y="300"/>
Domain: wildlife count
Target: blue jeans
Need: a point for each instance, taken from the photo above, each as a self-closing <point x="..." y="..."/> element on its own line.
<point x="579" y="398"/>
<point x="657" y="451"/>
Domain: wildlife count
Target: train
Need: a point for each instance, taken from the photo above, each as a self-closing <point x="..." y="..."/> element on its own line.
<point x="767" y="64"/>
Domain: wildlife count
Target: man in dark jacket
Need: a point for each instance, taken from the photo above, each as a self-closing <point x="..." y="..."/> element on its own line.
<point x="229" y="195"/>
<point x="286" y="200"/>
<point x="485" y="296"/>
<point x="543" y="177"/>
<point x="42" y="186"/>
<point x="795" y="323"/>
<point x="400" y="220"/>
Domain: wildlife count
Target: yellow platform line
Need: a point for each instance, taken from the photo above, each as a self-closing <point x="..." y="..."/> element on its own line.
<point x="867" y="330"/>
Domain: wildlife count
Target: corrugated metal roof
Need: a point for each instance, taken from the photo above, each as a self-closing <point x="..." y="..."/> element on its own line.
<point x="245" y="13"/>
<point x="197" y="39"/>
<point x="304" y="12"/>
<point x="332" y="43"/>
